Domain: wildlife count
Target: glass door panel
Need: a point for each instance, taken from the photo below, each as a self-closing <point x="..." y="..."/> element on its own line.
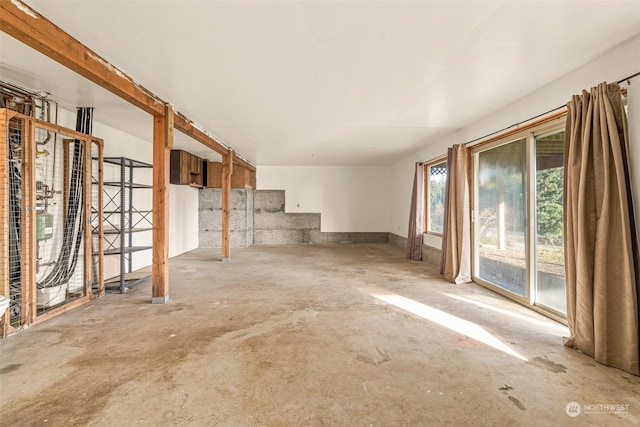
<point x="501" y="217"/>
<point x="550" y="283"/>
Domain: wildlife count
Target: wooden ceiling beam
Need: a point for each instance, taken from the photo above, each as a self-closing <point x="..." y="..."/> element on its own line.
<point x="20" y="21"/>
<point x="26" y="25"/>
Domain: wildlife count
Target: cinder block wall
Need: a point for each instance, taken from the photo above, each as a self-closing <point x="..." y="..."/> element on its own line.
<point x="210" y="218"/>
<point x="259" y="217"/>
<point x="272" y="225"/>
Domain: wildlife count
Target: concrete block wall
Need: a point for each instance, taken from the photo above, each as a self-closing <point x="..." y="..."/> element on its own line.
<point x="259" y="217"/>
<point x="210" y="218"/>
<point x="273" y="226"/>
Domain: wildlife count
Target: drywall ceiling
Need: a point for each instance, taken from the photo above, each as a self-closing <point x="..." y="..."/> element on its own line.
<point x="318" y="82"/>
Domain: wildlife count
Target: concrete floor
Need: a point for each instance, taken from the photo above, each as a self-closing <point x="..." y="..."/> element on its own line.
<point x="304" y="336"/>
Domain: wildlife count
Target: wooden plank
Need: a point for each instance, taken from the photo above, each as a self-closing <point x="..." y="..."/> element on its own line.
<point x="62" y="309"/>
<point x="86" y="217"/>
<point x="214" y="175"/>
<point x="227" y="171"/>
<point x="238" y="178"/>
<point x="162" y="144"/>
<point x="26" y="25"/>
<point x="4" y="215"/>
<point x="28" y="236"/>
<point x="100" y="145"/>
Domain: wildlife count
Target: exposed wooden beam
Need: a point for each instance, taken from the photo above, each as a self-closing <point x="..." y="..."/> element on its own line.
<point x="27" y="218"/>
<point x="4" y="214"/>
<point x="186" y="126"/>
<point x="227" y="170"/>
<point x="26" y="25"/>
<point x="162" y="145"/>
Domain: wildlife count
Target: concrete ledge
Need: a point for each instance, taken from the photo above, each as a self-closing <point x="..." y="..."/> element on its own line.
<point x="283" y="220"/>
<point x="397" y="241"/>
<point x="319" y="237"/>
<point x="431" y="256"/>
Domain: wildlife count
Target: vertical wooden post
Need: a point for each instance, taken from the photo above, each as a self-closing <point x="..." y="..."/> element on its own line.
<point x="28" y="235"/>
<point x="227" y="171"/>
<point x="4" y="215"/>
<point x="86" y="218"/>
<point x="162" y="144"/>
<point x="100" y="202"/>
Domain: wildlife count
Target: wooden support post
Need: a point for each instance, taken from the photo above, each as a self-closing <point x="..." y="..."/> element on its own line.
<point x="162" y="145"/>
<point x="227" y="171"/>
<point x="4" y="215"/>
<point x="28" y="235"/>
<point x="86" y="217"/>
<point x="100" y="225"/>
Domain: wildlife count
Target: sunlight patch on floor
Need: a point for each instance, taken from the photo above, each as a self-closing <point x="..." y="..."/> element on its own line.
<point x="449" y="321"/>
<point x="561" y="329"/>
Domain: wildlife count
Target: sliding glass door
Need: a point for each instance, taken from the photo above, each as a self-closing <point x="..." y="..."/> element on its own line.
<point x="518" y="225"/>
<point x="549" y="248"/>
<point x="501" y="213"/>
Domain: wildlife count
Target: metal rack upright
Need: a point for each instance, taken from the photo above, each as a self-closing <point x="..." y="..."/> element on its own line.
<point x="120" y="207"/>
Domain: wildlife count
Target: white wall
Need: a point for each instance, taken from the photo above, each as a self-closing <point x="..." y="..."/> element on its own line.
<point x="352" y="199"/>
<point x="183" y="200"/>
<point x="620" y="62"/>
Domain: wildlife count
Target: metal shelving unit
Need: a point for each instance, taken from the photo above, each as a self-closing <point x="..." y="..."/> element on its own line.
<point x="122" y="220"/>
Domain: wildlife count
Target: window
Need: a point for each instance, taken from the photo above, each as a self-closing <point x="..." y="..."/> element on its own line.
<point x="518" y="217"/>
<point x="436" y="181"/>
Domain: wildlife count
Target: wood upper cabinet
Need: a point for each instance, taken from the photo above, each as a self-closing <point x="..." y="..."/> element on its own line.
<point x="186" y="169"/>
<point x="240" y="178"/>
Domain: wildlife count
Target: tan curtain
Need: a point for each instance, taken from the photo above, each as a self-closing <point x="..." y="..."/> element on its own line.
<point x="600" y="236"/>
<point x="456" y="238"/>
<point x="416" y="215"/>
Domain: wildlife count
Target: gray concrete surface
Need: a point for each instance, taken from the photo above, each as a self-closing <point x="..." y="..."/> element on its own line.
<point x="305" y="335"/>
<point x="210" y="218"/>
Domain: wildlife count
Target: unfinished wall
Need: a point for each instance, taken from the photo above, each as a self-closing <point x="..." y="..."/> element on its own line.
<point x="272" y="225"/>
<point x="210" y="217"/>
<point x="350" y="199"/>
<point x="618" y="63"/>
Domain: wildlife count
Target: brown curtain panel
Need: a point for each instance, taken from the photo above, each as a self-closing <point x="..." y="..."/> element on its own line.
<point x="416" y="216"/>
<point x="456" y="237"/>
<point x="600" y="236"/>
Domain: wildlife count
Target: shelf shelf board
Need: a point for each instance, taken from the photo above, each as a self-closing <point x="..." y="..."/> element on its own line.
<point x="127" y="162"/>
<point x="127" y="250"/>
<point x="127" y="212"/>
<point x="126" y="230"/>
<point x="126" y="184"/>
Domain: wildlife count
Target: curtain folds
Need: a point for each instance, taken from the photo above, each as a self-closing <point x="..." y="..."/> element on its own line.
<point x="456" y="238"/>
<point x="601" y="252"/>
<point x="416" y="216"/>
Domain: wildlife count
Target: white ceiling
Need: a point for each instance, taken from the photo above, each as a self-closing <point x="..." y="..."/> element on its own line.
<point x="319" y="82"/>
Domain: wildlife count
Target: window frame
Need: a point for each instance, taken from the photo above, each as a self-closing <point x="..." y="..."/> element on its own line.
<point x="529" y="133"/>
<point x="427" y="193"/>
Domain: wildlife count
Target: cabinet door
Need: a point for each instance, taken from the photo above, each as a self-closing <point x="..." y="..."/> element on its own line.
<point x="196" y="169"/>
<point x="180" y="167"/>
